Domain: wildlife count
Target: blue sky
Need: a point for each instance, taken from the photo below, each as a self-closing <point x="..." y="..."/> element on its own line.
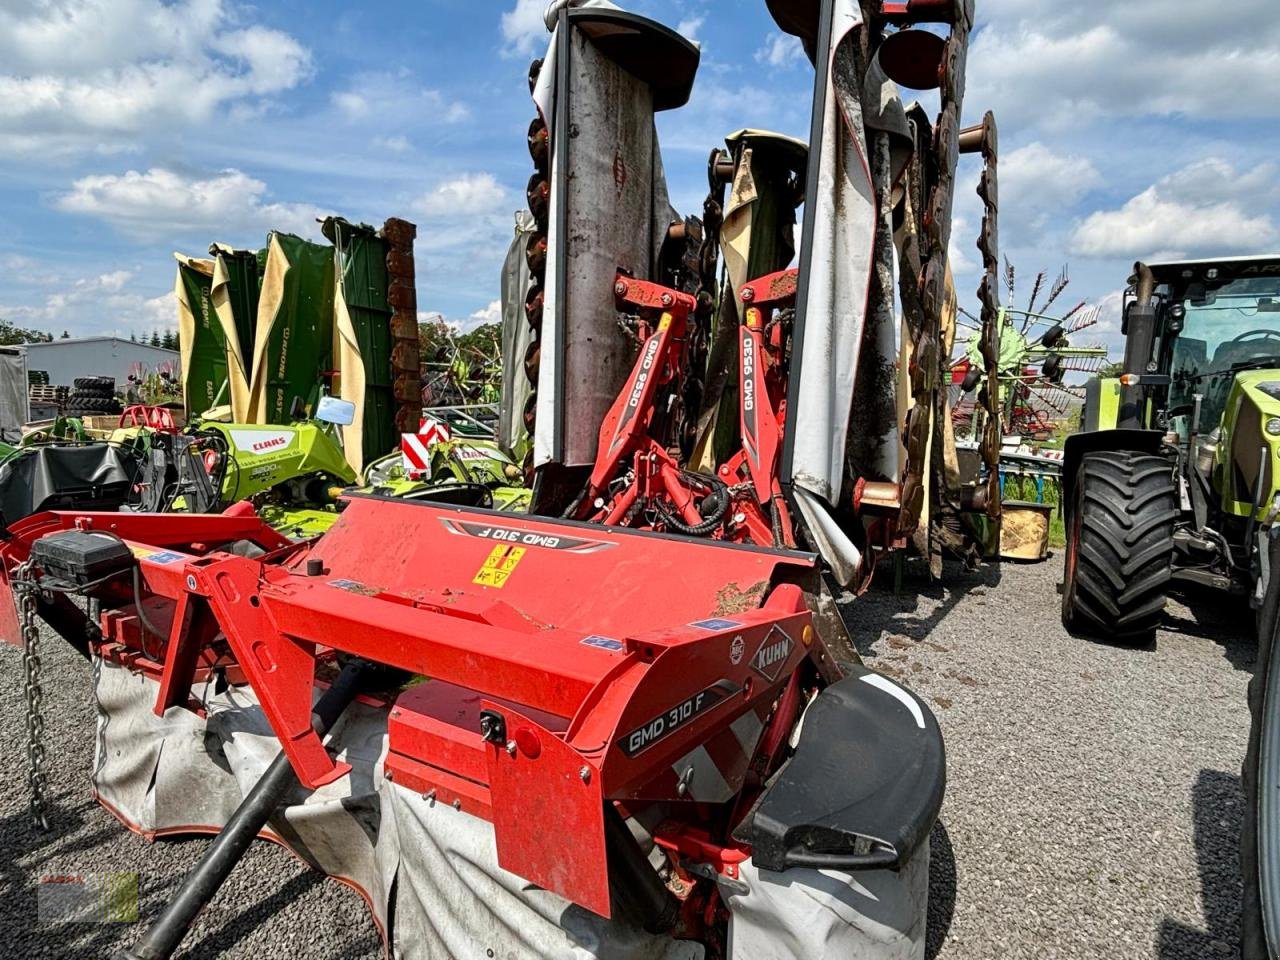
<point x="133" y="128"/>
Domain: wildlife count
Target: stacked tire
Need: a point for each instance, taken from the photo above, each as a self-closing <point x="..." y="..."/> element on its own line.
<point x="92" y="397"/>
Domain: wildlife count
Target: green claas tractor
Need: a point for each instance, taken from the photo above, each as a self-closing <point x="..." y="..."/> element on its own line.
<point x="1173" y="479"/>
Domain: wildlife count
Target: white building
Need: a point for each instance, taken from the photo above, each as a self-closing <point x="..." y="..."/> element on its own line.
<point x="64" y="360"/>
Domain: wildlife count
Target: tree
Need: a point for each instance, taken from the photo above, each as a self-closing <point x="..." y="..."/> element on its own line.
<point x="169" y="341"/>
<point x="155" y="339"/>
<point x="65" y="335"/>
<point x="133" y="338"/>
<point x="10" y="335"/>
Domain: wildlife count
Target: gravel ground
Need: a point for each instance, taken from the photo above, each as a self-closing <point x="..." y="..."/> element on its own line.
<point x="1092" y="810"/>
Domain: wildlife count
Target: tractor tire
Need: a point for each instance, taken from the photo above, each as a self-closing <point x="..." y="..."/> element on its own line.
<point x="92" y="406"/>
<point x="1119" y="546"/>
<point x="94" y="385"/>
<point x="1260" y="780"/>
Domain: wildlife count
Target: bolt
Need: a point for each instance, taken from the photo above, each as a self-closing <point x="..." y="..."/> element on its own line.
<point x="748" y="295"/>
<point x="683" y="786"/>
<point x="585" y="774"/>
<point x="620" y="288"/>
<point x="191" y="581"/>
<point x="666" y="300"/>
<point x="511" y="748"/>
<point x="457" y="804"/>
<point x="430" y="796"/>
<point x="315" y="567"/>
<point x="390" y="775"/>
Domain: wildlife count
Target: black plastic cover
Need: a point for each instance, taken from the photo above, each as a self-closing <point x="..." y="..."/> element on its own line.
<point x="80" y="557"/>
<point x="863" y="788"/>
<point x="94" y="476"/>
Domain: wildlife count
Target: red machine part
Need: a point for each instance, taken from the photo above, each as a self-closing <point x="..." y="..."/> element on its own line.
<point x="141" y="415"/>
<point x="627" y="434"/>
<point x="561" y="676"/>
<point x="762" y="408"/>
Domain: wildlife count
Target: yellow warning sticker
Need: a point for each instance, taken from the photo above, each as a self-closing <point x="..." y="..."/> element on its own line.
<point x="500" y="564"/>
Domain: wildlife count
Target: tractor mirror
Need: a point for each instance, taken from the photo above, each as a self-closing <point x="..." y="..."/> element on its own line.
<point x="333" y="410"/>
<point x="1200" y="295"/>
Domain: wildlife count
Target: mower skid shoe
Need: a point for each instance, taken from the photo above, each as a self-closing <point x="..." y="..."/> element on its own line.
<point x="864" y="786"/>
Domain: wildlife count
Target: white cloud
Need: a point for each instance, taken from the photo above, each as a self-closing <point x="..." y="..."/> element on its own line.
<point x="105" y="303"/>
<point x="376" y="96"/>
<point x="87" y="75"/>
<point x="781" y="50"/>
<point x="1037" y="184"/>
<point x="397" y="144"/>
<point x="350" y="103"/>
<point x="1205" y="208"/>
<point x="689" y="27"/>
<point x="158" y="203"/>
<point x="524" y="29"/>
<point x="490" y="314"/>
<point x="463" y="196"/>
<point x="478" y="318"/>
<point x="1039" y="63"/>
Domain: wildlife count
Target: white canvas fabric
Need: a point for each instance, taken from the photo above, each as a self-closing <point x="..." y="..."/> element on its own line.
<point x="180" y="774"/>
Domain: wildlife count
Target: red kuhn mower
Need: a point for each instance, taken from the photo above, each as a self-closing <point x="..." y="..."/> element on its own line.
<point x="629" y="723"/>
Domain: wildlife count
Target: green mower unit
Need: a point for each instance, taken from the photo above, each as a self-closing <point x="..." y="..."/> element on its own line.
<point x="1174" y="480"/>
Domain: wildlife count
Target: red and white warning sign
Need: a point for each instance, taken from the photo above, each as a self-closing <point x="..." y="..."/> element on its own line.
<point x="432" y="430"/>
<point x="415" y="448"/>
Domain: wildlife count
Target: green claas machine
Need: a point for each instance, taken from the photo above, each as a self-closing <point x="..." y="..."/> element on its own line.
<point x="1173" y="480"/>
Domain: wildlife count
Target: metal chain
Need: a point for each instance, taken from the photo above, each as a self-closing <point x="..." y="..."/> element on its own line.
<point x="25" y="587"/>
<point x="103" y="718"/>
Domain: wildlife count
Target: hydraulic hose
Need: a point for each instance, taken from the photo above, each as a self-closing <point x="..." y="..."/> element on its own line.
<point x="637" y="890"/>
<point x="203" y="882"/>
<point x="719" y="491"/>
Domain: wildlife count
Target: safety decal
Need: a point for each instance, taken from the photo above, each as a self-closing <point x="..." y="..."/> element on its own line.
<point x="525" y="538"/>
<point x="156" y="556"/>
<point x="498" y="566"/>
<point x="677" y="717"/>
<point x="773" y="654"/>
<point x="716" y="624"/>
<point x="604" y="643"/>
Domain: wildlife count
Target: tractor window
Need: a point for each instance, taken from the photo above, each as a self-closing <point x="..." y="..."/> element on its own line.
<point x="1226" y="327"/>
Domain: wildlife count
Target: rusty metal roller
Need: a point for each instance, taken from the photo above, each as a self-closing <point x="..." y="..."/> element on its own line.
<point x="533" y="303"/>
<point x="538" y="193"/>
<point x="532" y="361"/>
<point x="540" y="145"/>
<point x="535" y="254"/>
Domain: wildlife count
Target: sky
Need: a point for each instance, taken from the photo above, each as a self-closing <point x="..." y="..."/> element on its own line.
<point x="130" y="129"/>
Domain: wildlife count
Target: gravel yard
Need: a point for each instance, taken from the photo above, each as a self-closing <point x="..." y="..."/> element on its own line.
<point x="1092" y="810"/>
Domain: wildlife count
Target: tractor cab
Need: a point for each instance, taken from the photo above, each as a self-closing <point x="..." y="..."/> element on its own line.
<point x="1220" y="320"/>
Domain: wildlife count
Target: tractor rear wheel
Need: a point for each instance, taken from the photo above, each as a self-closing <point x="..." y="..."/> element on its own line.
<point x="1260" y="830"/>
<point x="1119" y="546"/>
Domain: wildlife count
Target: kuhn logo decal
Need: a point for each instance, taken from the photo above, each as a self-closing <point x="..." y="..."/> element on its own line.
<point x="773" y="654"/>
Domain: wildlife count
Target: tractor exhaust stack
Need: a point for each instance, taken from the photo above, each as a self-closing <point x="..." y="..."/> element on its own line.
<point x="1139" y="328"/>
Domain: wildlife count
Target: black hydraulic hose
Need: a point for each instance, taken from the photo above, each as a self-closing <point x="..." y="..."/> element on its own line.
<point x="718" y="490"/>
<point x="637" y="890"/>
<point x="203" y="882"/>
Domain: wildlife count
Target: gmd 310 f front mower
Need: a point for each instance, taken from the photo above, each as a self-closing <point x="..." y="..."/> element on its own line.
<point x="628" y="723"/>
